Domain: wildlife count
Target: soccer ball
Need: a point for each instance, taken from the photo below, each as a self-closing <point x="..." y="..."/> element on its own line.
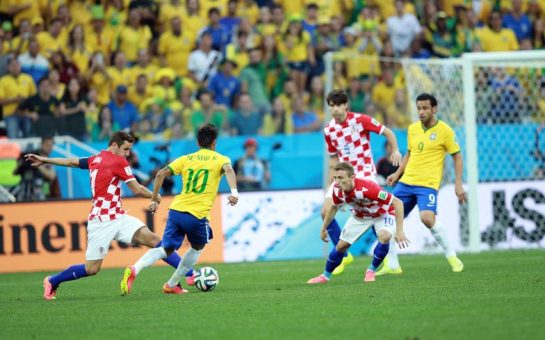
<point x="206" y="279"/>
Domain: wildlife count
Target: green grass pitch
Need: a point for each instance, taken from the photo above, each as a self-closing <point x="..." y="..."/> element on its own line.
<point x="500" y="295"/>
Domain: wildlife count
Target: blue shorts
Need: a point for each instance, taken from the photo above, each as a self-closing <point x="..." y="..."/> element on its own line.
<point x="301" y="66"/>
<point x="180" y="224"/>
<point x="410" y="195"/>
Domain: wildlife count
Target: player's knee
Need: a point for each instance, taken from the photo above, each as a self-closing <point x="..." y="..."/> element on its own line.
<point x="197" y="246"/>
<point x="384" y="236"/>
<point x="92" y="270"/>
<point x="428" y="220"/>
<point x="342" y="247"/>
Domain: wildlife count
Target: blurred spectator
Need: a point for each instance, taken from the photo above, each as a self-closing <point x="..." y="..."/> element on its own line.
<point x="224" y="85"/>
<point x="278" y="19"/>
<point x="494" y="38"/>
<point x="192" y="19"/>
<point x="316" y="98"/>
<point x="100" y="39"/>
<point x="218" y="32"/>
<point x="22" y="9"/>
<point x="265" y="25"/>
<point x="356" y="97"/>
<point x="33" y="63"/>
<point x="42" y="110"/>
<point x="340" y="77"/>
<point x="140" y="92"/>
<point x="92" y="111"/>
<point x="238" y="51"/>
<point x="98" y="78"/>
<point x="52" y="40"/>
<point x="209" y="113"/>
<point x="303" y="120"/>
<point x="444" y="40"/>
<point x="118" y="73"/>
<point x="105" y="126"/>
<point x="288" y="95"/>
<point x="72" y="109"/>
<point x="369" y="43"/>
<point x="143" y="66"/>
<point x="297" y="45"/>
<point x="157" y="115"/>
<point x="248" y="9"/>
<point x="275" y="66"/>
<point x="252" y="172"/>
<point x="18" y="44"/>
<point x="37" y="183"/>
<point x="133" y="37"/>
<point x="384" y="90"/>
<point x="123" y="112"/>
<point x="203" y="62"/>
<point x="403" y="28"/>
<point x="518" y="22"/>
<point x="67" y="70"/>
<point x="253" y="79"/>
<point x="538" y="38"/>
<point x="231" y="20"/>
<point x="77" y="49"/>
<point x="384" y="166"/>
<point x="397" y="113"/>
<point x="4" y="55"/>
<point x="311" y="19"/>
<point x="164" y="87"/>
<point x="57" y="88"/>
<point x="9" y="153"/>
<point x="170" y="9"/>
<point x="508" y="94"/>
<point x="466" y="29"/>
<point x="278" y="121"/>
<point x="175" y="46"/>
<point x="15" y="87"/>
<point x="246" y="120"/>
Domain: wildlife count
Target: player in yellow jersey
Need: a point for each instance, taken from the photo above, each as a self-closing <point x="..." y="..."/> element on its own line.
<point x="188" y="215"/>
<point x="428" y="142"/>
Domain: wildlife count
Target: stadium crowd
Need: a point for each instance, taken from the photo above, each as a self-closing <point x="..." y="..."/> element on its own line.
<point x="164" y="68"/>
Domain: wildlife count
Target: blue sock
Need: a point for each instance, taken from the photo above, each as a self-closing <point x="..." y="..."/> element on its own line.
<point x="334" y="260"/>
<point x="334" y="232"/>
<point x="173" y="260"/>
<point x="379" y="254"/>
<point x="74" y="272"/>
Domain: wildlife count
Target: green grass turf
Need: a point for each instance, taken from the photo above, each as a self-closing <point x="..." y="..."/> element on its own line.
<point x="500" y="295"/>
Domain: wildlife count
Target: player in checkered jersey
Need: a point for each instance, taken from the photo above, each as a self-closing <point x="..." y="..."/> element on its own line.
<point x="372" y="206"/>
<point x="347" y="138"/>
<point x="107" y="220"/>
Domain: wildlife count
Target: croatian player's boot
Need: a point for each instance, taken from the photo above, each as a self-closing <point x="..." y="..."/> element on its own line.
<point x="190" y="280"/>
<point x="318" y="279"/>
<point x="386" y="269"/>
<point x="174" y="290"/>
<point x="348" y="259"/>
<point x="49" y="292"/>
<point x="128" y="278"/>
<point x="369" y="276"/>
<point x="455" y="263"/>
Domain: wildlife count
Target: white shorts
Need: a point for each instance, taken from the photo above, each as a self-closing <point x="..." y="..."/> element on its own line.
<point x="355" y="227"/>
<point x="329" y="193"/>
<point x="101" y="234"/>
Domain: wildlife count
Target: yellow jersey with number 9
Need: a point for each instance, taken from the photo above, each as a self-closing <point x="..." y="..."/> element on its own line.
<point x="428" y="149"/>
<point x="201" y="173"/>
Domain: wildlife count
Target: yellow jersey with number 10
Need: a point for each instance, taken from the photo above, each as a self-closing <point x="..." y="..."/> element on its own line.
<point x="201" y="173"/>
<point x="428" y="149"/>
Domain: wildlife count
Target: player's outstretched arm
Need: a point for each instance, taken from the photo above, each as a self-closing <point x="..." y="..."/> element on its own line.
<point x="401" y="239"/>
<point x="395" y="176"/>
<point x="36" y="161"/>
<point x="329" y="216"/>
<point x="157" y="184"/>
<point x="138" y="189"/>
<point x="458" y="169"/>
<point x="395" y="157"/>
<point x="232" y="181"/>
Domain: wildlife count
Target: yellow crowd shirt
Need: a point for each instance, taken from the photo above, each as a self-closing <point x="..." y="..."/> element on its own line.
<point x="504" y="40"/>
<point x="201" y="173"/>
<point x="11" y="87"/>
<point x="428" y="149"/>
<point x="176" y="50"/>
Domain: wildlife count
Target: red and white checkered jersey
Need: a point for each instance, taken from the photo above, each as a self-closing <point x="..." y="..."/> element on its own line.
<point x="107" y="170"/>
<point x="350" y="141"/>
<point x="367" y="199"/>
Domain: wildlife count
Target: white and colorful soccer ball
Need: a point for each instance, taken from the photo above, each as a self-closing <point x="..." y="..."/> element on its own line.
<point x="206" y="279"/>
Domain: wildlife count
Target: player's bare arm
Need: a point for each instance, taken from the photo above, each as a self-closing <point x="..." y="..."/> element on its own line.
<point x="232" y="181"/>
<point x="401" y="239"/>
<point x="139" y="190"/>
<point x="333" y="161"/>
<point x="390" y="180"/>
<point x="395" y="157"/>
<point x="329" y="216"/>
<point x="157" y="184"/>
<point x="36" y="161"/>
<point x="458" y="169"/>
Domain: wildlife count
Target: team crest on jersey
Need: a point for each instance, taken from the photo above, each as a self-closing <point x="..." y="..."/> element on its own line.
<point x="433" y="136"/>
<point x="382" y="195"/>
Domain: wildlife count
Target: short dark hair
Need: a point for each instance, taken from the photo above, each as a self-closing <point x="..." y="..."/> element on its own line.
<point x="206" y="135"/>
<point x="344" y="166"/>
<point x="427" y="96"/>
<point x="120" y="137"/>
<point x="337" y="97"/>
<point x="213" y="10"/>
